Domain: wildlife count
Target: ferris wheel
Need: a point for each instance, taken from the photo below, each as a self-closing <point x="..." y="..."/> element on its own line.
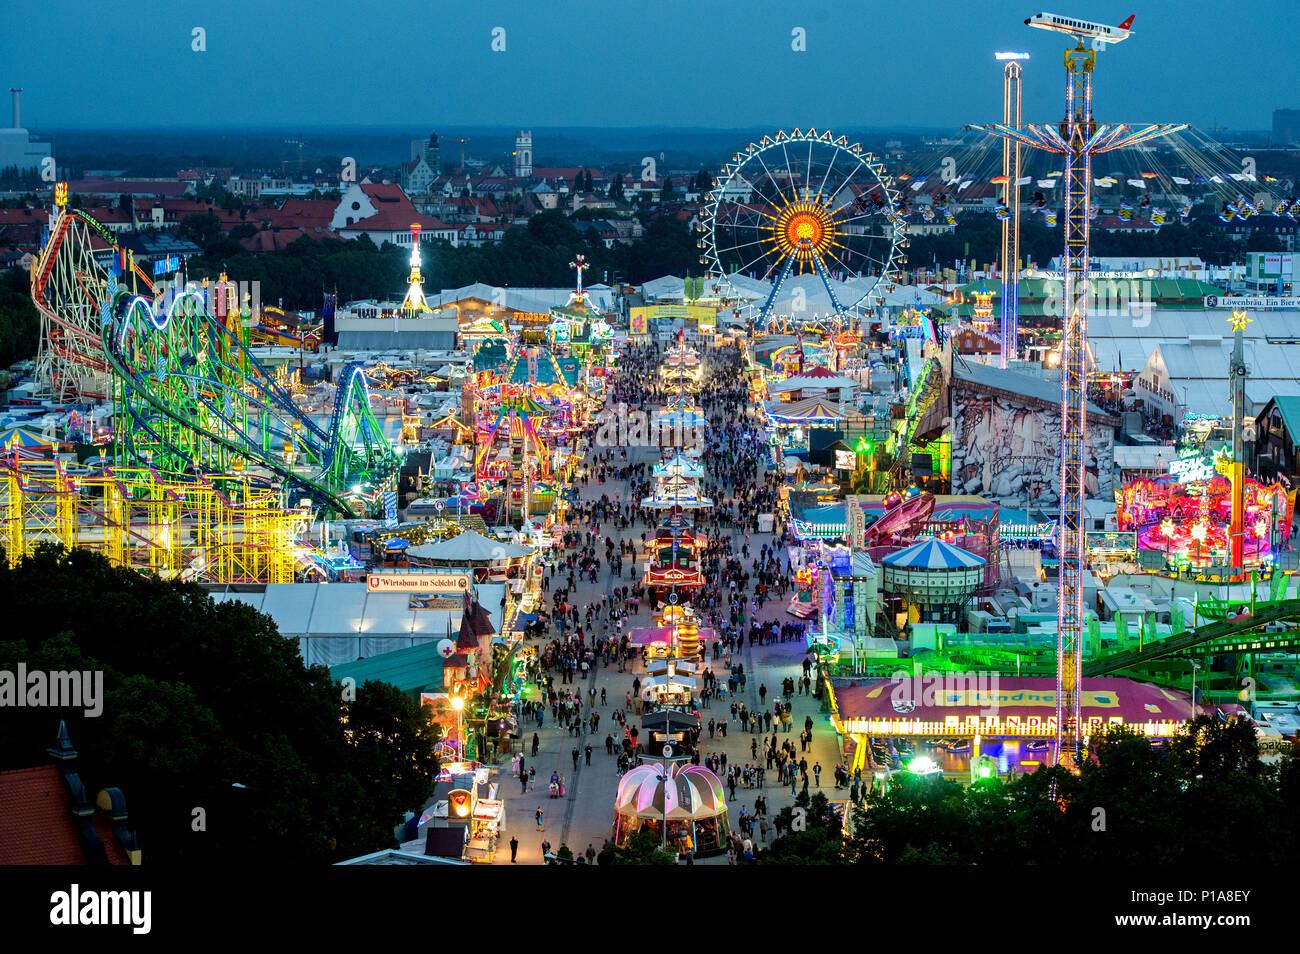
<point x="797" y="203"/>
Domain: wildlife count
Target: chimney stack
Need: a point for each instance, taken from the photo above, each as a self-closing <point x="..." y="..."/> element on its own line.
<point x="17" y="92"/>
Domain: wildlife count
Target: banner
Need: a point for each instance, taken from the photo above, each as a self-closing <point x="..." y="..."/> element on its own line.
<point x="433" y="601"/>
<point x="419" y="583"/>
<point x="702" y="314"/>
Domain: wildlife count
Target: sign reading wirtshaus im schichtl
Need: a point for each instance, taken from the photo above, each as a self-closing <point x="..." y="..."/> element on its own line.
<point x="417" y="582"/>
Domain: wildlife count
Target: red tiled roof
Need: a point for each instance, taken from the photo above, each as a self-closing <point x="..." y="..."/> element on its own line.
<point x="385" y="192"/>
<point x="394" y="220"/>
<point x="116" y="214"/>
<point x="271" y="240"/>
<point x="304" y="213"/>
<point x="37" y="826"/>
<point x="24" y="217"/>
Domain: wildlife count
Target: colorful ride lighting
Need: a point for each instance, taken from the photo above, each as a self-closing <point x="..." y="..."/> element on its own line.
<point x="804" y="229"/>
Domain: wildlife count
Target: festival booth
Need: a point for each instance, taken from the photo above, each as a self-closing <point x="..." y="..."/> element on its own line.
<point x="688" y="801"/>
<point x="1187" y="517"/>
<point x="679" y="730"/>
<point x="675" y="635"/>
<point x="465" y="799"/>
<point x="669" y="691"/>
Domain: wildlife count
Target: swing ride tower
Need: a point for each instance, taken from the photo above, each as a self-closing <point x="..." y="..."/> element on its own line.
<point x="1010" y="264"/>
<point x="1078" y="138"/>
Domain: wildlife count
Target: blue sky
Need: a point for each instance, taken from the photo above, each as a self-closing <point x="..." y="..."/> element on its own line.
<point x="689" y="63"/>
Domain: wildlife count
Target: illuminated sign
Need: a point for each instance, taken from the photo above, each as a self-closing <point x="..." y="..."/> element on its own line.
<point x="169" y="264"/>
<point x="1011" y="56"/>
<point x="845" y="460"/>
<point x="417" y="582"/>
<point x="999" y="726"/>
<point x="1102" y="541"/>
<point x="1027" y="531"/>
<point x="60" y="193"/>
<point x="637" y="323"/>
<point x="1256" y="303"/>
<point x="459" y="803"/>
<point x="1192" y="466"/>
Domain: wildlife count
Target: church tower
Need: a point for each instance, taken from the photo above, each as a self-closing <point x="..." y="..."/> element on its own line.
<point x="524" y="153"/>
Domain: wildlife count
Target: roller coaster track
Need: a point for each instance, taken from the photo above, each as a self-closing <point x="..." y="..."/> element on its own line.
<point x="67" y="286"/>
<point x="191" y="394"/>
<point x="1236" y="635"/>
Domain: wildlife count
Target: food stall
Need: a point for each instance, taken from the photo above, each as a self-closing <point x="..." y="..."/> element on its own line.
<point x="487" y="820"/>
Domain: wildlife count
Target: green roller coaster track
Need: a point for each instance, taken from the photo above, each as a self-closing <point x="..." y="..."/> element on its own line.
<point x="190" y="398"/>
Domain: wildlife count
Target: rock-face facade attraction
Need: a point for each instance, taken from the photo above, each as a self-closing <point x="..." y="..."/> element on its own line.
<point x="1006" y="448"/>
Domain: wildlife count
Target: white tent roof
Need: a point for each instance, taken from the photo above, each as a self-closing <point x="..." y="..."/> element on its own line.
<point x="471" y="547"/>
<point x="806" y="294"/>
<point x="803" y="382"/>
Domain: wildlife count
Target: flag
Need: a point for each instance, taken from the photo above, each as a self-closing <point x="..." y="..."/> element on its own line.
<point x="1138" y="183"/>
<point x="1217" y="179"/>
<point x="963" y="185"/>
<point x="917" y="185"/>
<point x="1024" y="180"/>
<point x="1101" y="183"/>
<point x="999" y="180"/>
<point x="1047" y="183"/>
<point x="1181" y="181"/>
<point x="1148" y="175"/>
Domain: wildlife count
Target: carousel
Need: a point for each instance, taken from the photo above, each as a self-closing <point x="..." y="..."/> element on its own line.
<point x="687" y="801"/>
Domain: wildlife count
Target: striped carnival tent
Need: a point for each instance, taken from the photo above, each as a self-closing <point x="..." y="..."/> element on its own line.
<point x="688" y="799"/>
<point x="931" y="554"/>
<point x="692" y="791"/>
<point x="23" y="437"/>
<point x="934" y="576"/>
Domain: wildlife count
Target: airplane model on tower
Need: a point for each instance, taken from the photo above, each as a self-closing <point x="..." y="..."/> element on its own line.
<point x="1082" y="29"/>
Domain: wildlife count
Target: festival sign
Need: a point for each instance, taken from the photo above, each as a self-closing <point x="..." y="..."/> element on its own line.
<point x="705" y="317"/>
<point x="441" y="584"/>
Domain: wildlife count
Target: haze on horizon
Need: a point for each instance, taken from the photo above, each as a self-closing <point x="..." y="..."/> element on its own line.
<point x="698" y="64"/>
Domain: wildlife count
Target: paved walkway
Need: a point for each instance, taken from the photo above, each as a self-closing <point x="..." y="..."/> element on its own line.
<point x="585" y="815"/>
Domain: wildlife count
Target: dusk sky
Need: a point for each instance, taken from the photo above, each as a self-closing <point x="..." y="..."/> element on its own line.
<point x="686" y="63"/>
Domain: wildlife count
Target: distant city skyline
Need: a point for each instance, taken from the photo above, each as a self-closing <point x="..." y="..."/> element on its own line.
<point x="677" y="64"/>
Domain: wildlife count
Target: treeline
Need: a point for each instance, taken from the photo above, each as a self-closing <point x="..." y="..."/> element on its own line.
<point x="225" y="745"/>
<point x="1207" y="801"/>
<point x="20" y="322"/>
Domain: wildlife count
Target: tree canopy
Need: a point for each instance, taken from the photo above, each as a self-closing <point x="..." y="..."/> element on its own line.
<point x="210" y="719"/>
<point x="1208" y="801"/>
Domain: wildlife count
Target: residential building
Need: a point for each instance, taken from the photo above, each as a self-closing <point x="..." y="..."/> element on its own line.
<point x="251" y="188"/>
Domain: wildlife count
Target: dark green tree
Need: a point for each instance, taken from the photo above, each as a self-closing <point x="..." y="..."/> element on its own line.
<point x="222" y="740"/>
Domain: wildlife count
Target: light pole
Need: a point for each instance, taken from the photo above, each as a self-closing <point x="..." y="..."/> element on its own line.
<point x="1195" y="666"/>
<point x="458" y="703"/>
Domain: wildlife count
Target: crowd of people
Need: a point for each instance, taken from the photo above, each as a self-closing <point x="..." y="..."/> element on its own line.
<point x="745" y="568"/>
